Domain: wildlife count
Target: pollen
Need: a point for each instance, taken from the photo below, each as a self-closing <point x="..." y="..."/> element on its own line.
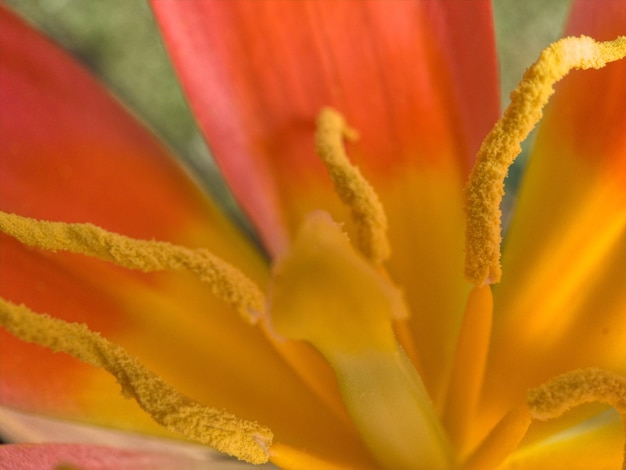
<point x="352" y="188"/>
<point x="575" y="388"/>
<point x="245" y="440"/>
<point x="484" y="190"/>
<point x="227" y="283"/>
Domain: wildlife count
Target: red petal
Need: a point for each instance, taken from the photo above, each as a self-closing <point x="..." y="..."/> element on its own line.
<point x="70" y="152"/>
<point x="416" y="78"/>
<point x="588" y="112"/>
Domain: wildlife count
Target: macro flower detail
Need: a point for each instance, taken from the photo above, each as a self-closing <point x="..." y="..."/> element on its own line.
<point x="355" y="341"/>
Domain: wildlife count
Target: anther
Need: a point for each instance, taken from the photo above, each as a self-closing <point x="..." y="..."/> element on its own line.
<point x="485" y="187"/>
<point x="242" y="439"/>
<point x="227" y="282"/>
<point x="575" y="388"/>
<point x="353" y="189"/>
<point x="566" y="391"/>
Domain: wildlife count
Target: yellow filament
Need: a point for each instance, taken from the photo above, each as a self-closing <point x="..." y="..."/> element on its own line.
<point x="501" y="441"/>
<point x="485" y="187"/>
<point x="226" y="282"/>
<point x="351" y="186"/>
<point x="468" y="368"/>
<point x="243" y="439"/>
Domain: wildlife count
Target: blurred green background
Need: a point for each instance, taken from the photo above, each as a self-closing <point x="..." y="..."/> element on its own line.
<point x="118" y="40"/>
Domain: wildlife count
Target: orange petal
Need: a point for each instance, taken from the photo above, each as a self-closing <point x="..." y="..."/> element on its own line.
<point x="420" y="88"/>
<point x="561" y="304"/>
<point x="257" y="74"/>
<point x="71" y="153"/>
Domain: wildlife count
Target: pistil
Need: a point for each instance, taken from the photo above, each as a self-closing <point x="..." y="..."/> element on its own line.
<point x="326" y="293"/>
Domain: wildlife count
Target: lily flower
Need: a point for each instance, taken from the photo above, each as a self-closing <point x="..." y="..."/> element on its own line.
<point x="377" y="327"/>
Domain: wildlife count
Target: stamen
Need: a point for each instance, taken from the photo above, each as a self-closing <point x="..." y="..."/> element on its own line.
<point x="575" y="388"/>
<point x="351" y="186"/>
<point x="242" y="439"/>
<point x="485" y="187"/>
<point x="227" y="282"/>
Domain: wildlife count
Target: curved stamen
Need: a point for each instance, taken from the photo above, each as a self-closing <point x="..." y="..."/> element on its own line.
<point x="576" y="388"/>
<point x="353" y="189"/>
<point x="243" y="439"/>
<point x="485" y="187"/>
<point x="227" y="282"/>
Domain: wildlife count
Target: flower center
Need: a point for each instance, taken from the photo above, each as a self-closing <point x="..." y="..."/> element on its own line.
<point x="327" y="294"/>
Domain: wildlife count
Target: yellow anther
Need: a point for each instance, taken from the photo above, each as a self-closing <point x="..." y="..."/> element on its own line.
<point x="575" y="388"/>
<point x="243" y="439"/>
<point x="227" y="283"/>
<point x="485" y="187"/>
<point x="351" y="186"/>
